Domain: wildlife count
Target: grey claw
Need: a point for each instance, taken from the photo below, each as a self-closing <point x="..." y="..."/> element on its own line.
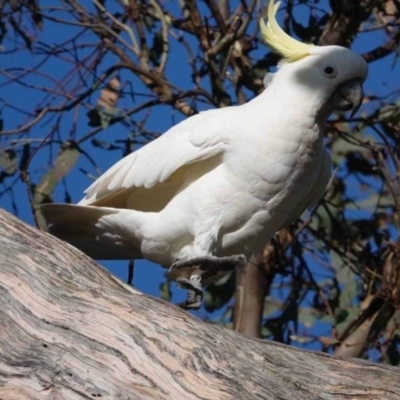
<point x="194" y="292"/>
<point x="197" y="273"/>
<point x="190" y="284"/>
<point x="190" y="306"/>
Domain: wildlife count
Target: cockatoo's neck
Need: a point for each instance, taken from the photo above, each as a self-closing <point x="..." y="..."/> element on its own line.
<point x="306" y="104"/>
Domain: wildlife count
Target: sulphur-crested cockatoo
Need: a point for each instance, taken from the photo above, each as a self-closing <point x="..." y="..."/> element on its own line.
<point x="213" y="189"/>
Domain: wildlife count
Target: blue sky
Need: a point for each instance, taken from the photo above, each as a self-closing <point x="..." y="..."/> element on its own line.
<point x="383" y="78"/>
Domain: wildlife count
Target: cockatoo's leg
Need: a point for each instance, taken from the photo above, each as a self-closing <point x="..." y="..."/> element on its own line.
<point x="195" y="274"/>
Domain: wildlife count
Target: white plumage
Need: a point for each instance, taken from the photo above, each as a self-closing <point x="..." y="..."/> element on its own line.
<point x="222" y="182"/>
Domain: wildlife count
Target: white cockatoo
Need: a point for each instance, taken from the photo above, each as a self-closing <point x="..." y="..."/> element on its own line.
<point x="213" y="189"/>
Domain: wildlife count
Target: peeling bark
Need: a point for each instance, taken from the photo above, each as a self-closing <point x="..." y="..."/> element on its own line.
<point x="70" y="330"/>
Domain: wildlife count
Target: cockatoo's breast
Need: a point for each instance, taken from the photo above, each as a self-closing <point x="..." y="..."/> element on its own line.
<point x="272" y="173"/>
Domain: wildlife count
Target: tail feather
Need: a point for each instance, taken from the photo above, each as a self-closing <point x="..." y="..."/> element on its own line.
<point x="81" y="227"/>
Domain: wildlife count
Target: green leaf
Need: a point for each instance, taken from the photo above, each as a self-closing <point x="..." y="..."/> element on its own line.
<point x="94" y="118"/>
<point x="148" y="20"/>
<point x="105" y="119"/>
<point x="104" y="144"/>
<point x="26" y="154"/>
<point x="8" y="163"/>
<point x="101" y="116"/>
<point x="157" y="48"/>
<point x="356" y="162"/>
<point x="301" y="339"/>
<point x="219" y="293"/>
<point x="65" y="161"/>
<point x="266" y="332"/>
<point x="165" y="290"/>
<point x="307" y="317"/>
<point x="340" y="315"/>
<point x="349" y="314"/>
<point x="271" y="305"/>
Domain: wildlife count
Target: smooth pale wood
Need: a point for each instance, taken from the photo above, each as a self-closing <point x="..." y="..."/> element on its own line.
<point x="69" y="330"/>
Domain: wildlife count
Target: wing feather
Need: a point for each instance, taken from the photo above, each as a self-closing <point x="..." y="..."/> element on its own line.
<point x="199" y="137"/>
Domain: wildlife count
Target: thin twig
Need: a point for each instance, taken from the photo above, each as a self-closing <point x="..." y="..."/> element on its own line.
<point x="135" y="46"/>
<point x="131" y="272"/>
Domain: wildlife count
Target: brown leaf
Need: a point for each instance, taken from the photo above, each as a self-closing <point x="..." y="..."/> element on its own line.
<point x="388" y="16"/>
<point x="328" y="341"/>
<point x="110" y="95"/>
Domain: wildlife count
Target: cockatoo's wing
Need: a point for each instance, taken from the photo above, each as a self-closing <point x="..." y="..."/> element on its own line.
<point x="316" y="193"/>
<point x="148" y="178"/>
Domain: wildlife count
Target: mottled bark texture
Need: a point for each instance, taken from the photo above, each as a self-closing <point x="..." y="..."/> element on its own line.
<point x="69" y="330"/>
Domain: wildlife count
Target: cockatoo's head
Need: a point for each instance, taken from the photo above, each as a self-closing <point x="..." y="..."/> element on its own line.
<point x="335" y="72"/>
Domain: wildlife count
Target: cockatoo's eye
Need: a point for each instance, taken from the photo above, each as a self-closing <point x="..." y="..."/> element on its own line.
<point x="329" y="71"/>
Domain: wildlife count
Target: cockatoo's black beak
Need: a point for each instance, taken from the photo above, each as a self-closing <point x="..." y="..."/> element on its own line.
<point x="349" y="96"/>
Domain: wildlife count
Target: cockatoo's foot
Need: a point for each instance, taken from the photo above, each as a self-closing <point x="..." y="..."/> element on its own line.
<point x="199" y="272"/>
<point x="194" y="292"/>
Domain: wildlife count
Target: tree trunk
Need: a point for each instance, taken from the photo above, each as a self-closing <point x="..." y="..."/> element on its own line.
<point x="70" y="330"/>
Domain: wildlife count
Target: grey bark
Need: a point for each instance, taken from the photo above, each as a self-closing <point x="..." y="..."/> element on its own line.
<point x="70" y="330"/>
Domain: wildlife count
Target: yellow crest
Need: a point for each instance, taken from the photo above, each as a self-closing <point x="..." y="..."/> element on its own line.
<point x="279" y="41"/>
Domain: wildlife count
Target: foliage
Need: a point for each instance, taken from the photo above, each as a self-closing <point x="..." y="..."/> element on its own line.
<point x="84" y="83"/>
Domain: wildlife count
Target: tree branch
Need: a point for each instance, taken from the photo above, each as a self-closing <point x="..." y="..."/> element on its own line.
<point x="345" y="21"/>
<point x="72" y="330"/>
